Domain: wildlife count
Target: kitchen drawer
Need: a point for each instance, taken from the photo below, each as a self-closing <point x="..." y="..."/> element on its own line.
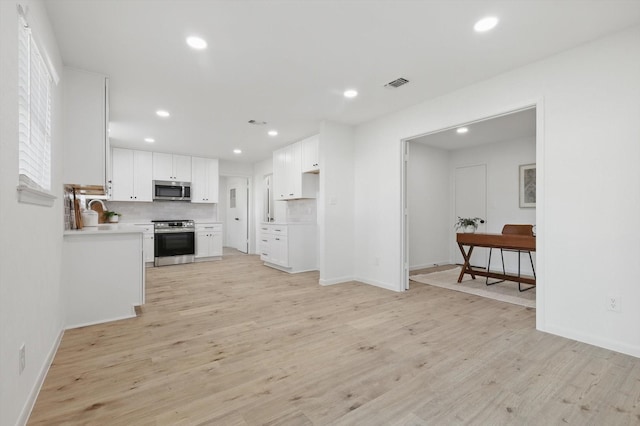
<point x="209" y="227"/>
<point x="272" y="229"/>
<point x="279" y="229"/>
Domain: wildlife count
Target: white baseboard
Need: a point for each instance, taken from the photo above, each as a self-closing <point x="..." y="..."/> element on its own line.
<point x="380" y="284"/>
<point x="334" y="281"/>
<point x="632" y="350"/>
<point x="35" y="391"/>
<point x="429" y="265"/>
<point x="85" y="324"/>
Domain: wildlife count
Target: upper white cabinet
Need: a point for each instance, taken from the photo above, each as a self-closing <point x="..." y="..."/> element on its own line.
<point x="204" y="183"/>
<point x="310" y="155"/>
<point x="171" y="167"/>
<point x="289" y="183"/>
<point x="85" y="119"/>
<point x="131" y="178"/>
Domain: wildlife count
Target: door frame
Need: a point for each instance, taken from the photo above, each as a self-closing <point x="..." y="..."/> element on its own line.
<point x="250" y="221"/>
<point x="538" y="104"/>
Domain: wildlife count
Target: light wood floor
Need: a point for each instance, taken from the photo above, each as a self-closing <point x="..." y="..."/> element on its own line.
<point x="236" y="343"/>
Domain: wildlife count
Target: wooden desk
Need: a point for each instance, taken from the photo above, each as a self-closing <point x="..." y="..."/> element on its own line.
<point x="501" y="241"/>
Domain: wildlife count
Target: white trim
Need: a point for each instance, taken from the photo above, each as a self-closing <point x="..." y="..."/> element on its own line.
<point x="633" y="350"/>
<point x="540" y="215"/>
<point x="333" y="281"/>
<point x="30" y="195"/>
<point x="429" y="264"/>
<point x="102" y="321"/>
<point x="380" y="284"/>
<point x="37" y="386"/>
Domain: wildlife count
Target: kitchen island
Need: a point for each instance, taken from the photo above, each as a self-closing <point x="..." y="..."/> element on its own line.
<point x="103" y="274"/>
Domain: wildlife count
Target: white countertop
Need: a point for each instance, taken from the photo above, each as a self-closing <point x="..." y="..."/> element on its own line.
<point x="107" y="228"/>
<point x="287" y="223"/>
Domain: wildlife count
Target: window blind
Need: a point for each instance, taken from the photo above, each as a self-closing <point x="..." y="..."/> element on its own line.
<point x="34" y="109"/>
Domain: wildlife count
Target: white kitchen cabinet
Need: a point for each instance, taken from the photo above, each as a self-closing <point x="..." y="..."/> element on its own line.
<point x="289" y="247"/>
<point x="103" y="276"/>
<point x="204" y="183"/>
<point x="280" y="177"/>
<point x="311" y="155"/>
<point x="84" y="127"/>
<point x="171" y="167"/>
<point x="131" y="175"/>
<point x="289" y="182"/>
<point x="148" y="243"/>
<point x="208" y="240"/>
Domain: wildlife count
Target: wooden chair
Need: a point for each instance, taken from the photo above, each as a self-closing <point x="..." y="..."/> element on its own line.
<point x="514" y="230"/>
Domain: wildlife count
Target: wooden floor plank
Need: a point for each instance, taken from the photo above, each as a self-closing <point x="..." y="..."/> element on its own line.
<point x="236" y="343"/>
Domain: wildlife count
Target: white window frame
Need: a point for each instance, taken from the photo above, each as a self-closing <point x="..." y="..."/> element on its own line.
<point x="34" y="120"/>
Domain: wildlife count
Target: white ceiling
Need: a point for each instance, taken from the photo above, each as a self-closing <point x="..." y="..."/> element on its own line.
<point x="509" y="127"/>
<point x="288" y="62"/>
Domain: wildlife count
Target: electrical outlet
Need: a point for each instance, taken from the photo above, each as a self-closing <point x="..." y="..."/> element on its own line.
<point x="22" y="358"/>
<point x="613" y="303"/>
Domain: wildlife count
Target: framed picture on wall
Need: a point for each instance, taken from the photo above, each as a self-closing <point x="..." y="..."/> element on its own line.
<point x="527" y="185"/>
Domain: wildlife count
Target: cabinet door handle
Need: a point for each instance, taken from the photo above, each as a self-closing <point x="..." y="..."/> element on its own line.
<point x="291" y="195"/>
<point x="277" y="239"/>
<point x="264" y="241"/>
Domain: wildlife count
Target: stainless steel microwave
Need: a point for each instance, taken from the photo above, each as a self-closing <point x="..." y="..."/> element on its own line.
<point x="171" y="191"/>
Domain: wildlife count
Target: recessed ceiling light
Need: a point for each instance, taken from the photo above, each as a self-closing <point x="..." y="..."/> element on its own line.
<point x="237" y="151"/>
<point x="162" y="113"/>
<point x="196" y="43"/>
<point x="350" y="93"/>
<point x="150" y="140"/>
<point x="272" y="133"/>
<point x="486" y="24"/>
<point x="462" y="130"/>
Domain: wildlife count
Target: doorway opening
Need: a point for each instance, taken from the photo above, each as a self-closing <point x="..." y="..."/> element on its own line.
<point x="233" y="212"/>
<point x="468" y="170"/>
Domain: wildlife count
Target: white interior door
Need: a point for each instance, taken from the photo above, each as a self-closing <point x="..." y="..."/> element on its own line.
<point x="471" y="201"/>
<point x="237" y="223"/>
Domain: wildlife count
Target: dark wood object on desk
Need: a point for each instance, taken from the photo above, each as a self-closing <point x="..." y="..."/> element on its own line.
<point x="500" y="241"/>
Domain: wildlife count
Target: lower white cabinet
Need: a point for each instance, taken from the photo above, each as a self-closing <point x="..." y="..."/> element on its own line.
<point x="289" y="247"/>
<point x="208" y="240"/>
<point x="148" y="246"/>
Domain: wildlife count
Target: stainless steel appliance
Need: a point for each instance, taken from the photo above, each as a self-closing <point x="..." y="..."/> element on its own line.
<point x="171" y="191"/>
<point x="174" y="242"/>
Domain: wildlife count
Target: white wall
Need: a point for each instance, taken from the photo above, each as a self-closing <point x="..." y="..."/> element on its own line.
<point x="234" y="168"/>
<point x="31" y="309"/>
<point x="336" y="204"/>
<point x="222" y="206"/>
<point x="502" y="160"/>
<point x="428" y="203"/>
<point x="587" y="155"/>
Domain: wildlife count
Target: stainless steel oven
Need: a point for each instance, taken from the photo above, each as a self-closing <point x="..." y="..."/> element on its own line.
<point x="174" y="242"/>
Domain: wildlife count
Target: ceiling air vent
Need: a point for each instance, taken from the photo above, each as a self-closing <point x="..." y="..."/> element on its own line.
<point x="397" y="83"/>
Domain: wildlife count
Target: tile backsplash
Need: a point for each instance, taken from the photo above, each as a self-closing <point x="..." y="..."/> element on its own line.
<point x="301" y="211"/>
<point x="163" y="210"/>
